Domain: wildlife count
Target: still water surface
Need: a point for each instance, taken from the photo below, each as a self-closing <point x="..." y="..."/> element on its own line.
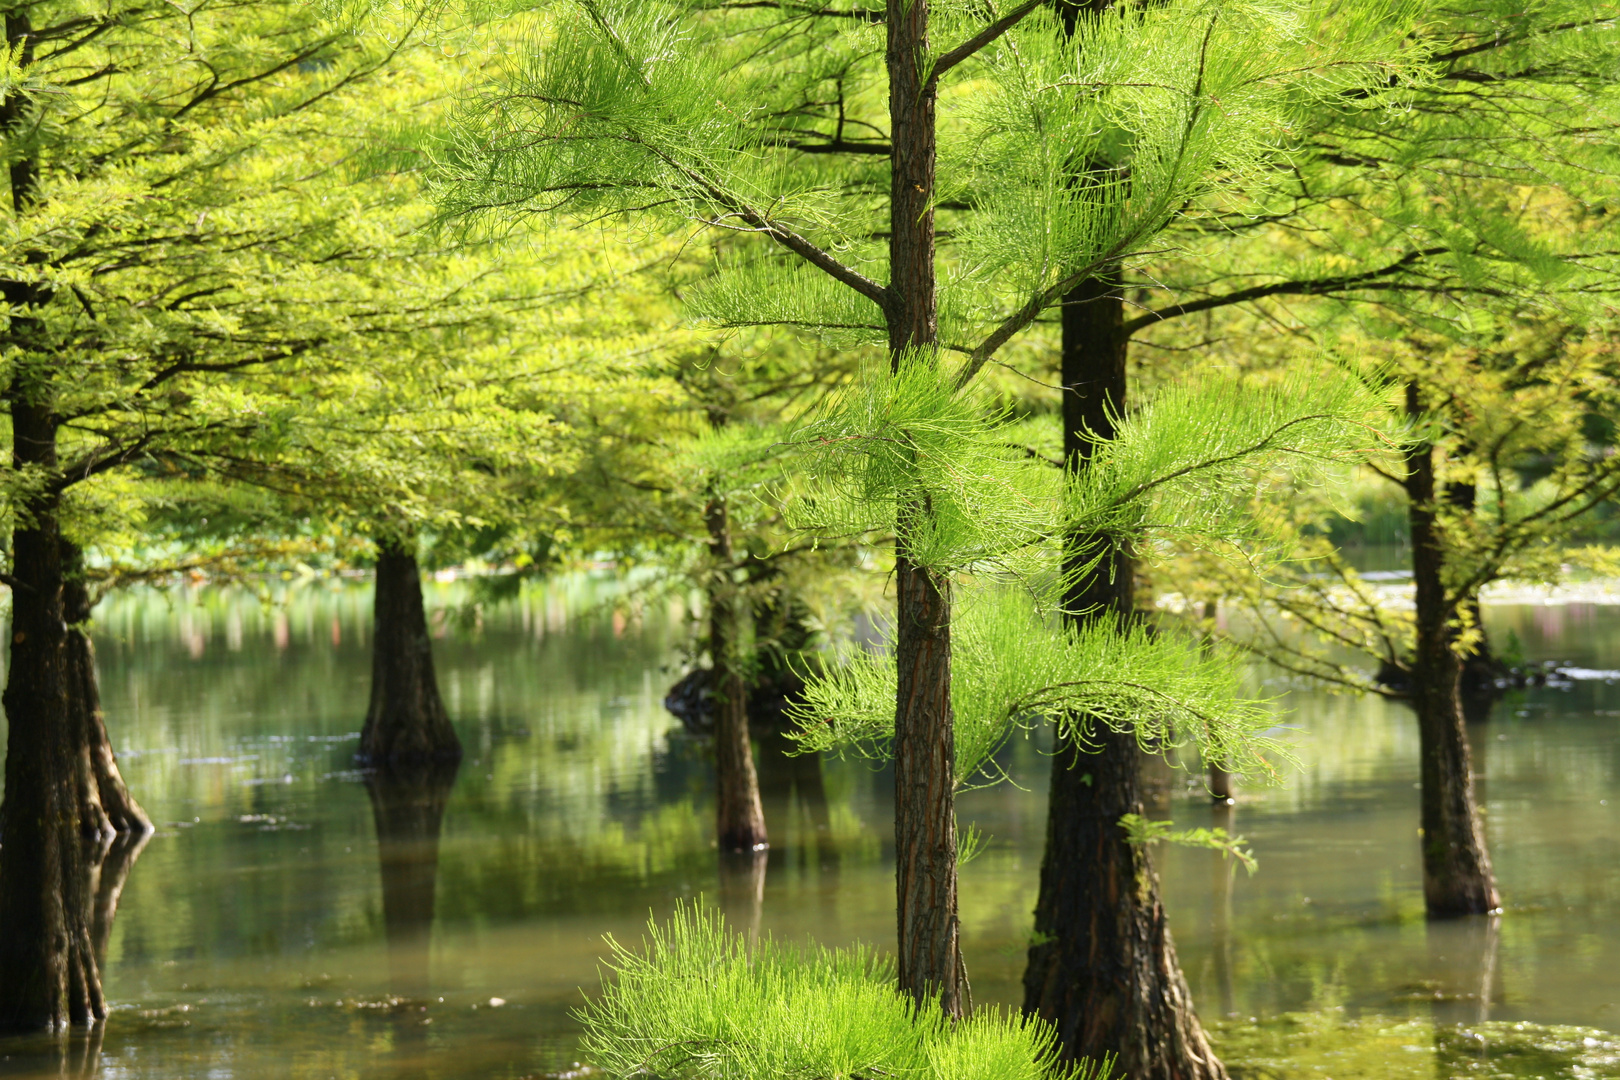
<point x="254" y="938"/>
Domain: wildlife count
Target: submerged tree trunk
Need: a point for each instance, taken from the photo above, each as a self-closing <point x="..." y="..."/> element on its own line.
<point x="105" y="804"/>
<point x="48" y="973"/>
<point x="406" y="721"/>
<point x="1457" y="876"/>
<point x="740" y="817"/>
<point x="1103" y="970"/>
<point x="930" y="956"/>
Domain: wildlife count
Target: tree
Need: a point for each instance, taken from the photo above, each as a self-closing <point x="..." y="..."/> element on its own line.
<point x="718" y="117"/>
<point x="1482" y="195"/>
<point x="1102" y="967"/>
<point x="1508" y="413"/>
<point x="640" y="492"/>
<point x="179" y="222"/>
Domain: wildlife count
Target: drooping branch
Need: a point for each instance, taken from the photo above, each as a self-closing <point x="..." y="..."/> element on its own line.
<point x="788" y="238"/>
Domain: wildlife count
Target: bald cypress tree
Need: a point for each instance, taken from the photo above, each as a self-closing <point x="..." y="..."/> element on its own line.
<point x="180" y="224"/>
<point x="838" y="137"/>
<point x="1483" y="217"/>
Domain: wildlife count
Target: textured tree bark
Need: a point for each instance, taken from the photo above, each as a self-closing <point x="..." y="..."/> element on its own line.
<point x="106" y="806"/>
<point x="739" y="814"/>
<point x="930" y="956"/>
<point x="407" y="805"/>
<point x="1457" y="875"/>
<point x="48" y="973"/>
<point x="405" y="722"/>
<point x="1103" y="969"/>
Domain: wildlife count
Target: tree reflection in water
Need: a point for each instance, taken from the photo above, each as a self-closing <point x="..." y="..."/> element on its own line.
<point x="77" y="1054"/>
<point x="783" y="773"/>
<point x="1465" y="952"/>
<point x="1223" y="813"/>
<point x="407" y="804"/>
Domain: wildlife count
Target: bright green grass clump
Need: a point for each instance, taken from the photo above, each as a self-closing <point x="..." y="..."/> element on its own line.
<point x="702" y="1002"/>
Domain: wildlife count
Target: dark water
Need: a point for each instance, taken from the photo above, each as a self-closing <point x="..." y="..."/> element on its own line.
<point x="251" y="937"/>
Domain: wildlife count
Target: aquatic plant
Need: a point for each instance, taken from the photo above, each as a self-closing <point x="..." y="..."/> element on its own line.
<point x="702" y="1001"/>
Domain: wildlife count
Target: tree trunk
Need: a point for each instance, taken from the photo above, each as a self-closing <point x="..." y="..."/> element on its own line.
<point x="1480" y="667"/>
<point x="930" y="965"/>
<point x="48" y="974"/>
<point x="406" y="721"/>
<point x="740" y="817"/>
<point x="407" y="804"/>
<point x="1220" y="781"/>
<point x="106" y="805"/>
<point x="1457" y="877"/>
<point x="1103" y="970"/>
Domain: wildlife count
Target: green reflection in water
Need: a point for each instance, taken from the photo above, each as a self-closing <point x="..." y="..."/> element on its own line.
<point x="1320" y="1045"/>
<point x="251" y="940"/>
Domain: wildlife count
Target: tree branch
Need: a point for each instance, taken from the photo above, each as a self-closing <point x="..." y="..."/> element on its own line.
<point x="984" y="37"/>
<point x="1310" y="287"/>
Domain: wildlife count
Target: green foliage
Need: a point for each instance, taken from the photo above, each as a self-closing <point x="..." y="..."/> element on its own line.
<point x="206" y="286"/>
<point x="701" y="1002"/>
<point x="691" y="115"/>
<point x="895" y="438"/>
<point x="1507" y="417"/>
<point x="1187" y="465"/>
<point x="1012" y="668"/>
<point x="1183" y="466"/>
<point x="1141" y="830"/>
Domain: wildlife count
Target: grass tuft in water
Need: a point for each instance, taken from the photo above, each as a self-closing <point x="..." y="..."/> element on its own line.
<point x="700" y="1001"/>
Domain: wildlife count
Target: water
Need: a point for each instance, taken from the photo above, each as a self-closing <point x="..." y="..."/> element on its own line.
<point x="251" y="939"/>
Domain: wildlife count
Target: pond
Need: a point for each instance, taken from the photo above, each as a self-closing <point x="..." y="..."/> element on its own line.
<point x="254" y="937"/>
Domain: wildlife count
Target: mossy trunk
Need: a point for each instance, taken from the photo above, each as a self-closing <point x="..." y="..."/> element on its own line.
<point x="1104" y="970"/>
<point x="106" y="806"/>
<point x="406" y="722"/>
<point x="48" y="972"/>
<point x="740" y="817"/>
<point x="1457" y="875"/>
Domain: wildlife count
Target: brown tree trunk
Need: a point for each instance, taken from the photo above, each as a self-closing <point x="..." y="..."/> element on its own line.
<point x="930" y="965"/>
<point x="106" y="806"/>
<point x="1479" y="665"/>
<point x="740" y="816"/>
<point x="1457" y="877"/>
<point x="1220" y="781"/>
<point x="407" y="805"/>
<point x="48" y="973"/>
<point x="406" y="721"/>
<point x="1103" y="970"/>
